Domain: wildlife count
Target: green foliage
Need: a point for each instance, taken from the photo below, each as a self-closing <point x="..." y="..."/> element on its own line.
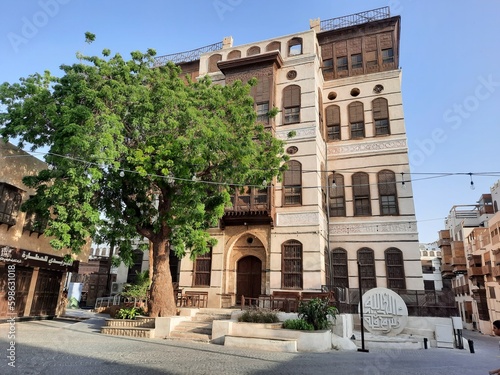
<point x="139" y="289"/>
<point x="298" y="324"/>
<point x="125" y="140"/>
<point x="129" y="313"/>
<point x="316" y="312"/>
<point x="259" y="316"/>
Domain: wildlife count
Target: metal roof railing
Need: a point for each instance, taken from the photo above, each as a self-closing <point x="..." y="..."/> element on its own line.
<point x="187" y="56"/>
<point x="355" y="19"/>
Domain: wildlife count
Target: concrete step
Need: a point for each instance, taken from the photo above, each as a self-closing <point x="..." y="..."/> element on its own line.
<point x="192" y="336"/>
<point x="196" y="327"/>
<point x="209" y="317"/>
<point x="128" y="331"/>
<point x="259" y="343"/>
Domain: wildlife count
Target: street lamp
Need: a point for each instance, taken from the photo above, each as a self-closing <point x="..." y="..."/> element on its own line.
<point x="362" y="349"/>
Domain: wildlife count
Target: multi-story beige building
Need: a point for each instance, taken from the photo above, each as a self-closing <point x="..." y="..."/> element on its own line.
<point x="32" y="273"/>
<point x="468" y="256"/>
<point x="346" y="196"/>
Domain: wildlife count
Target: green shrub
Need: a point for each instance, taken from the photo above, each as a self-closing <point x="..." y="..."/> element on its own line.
<point x="259" y="316"/>
<point x="129" y="313"/>
<point x="298" y="324"/>
<point x="316" y="312"/>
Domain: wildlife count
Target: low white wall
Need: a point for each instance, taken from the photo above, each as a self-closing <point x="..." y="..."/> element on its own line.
<point x="313" y="341"/>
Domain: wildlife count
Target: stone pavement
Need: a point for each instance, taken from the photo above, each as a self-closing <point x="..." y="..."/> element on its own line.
<point x="55" y="347"/>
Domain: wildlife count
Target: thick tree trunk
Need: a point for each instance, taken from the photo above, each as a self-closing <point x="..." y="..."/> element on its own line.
<point x="161" y="299"/>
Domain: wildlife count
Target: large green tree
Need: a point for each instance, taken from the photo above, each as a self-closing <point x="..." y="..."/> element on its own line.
<point x="137" y="150"/>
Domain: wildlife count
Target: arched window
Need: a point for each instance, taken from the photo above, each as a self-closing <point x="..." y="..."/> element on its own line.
<point x="395" y="269"/>
<point x="333" y="122"/>
<point x="356" y="120"/>
<point x="366" y="260"/>
<point x="292" y="184"/>
<point x="339" y="268"/>
<point x="387" y="193"/>
<point x="361" y="194"/>
<point x="295" y="47"/>
<point x="291" y="267"/>
<point x="212" y="62"/>
<point x="273" y="46"/>
<point x="337" y="195"/>
<point x="291" y="104"/>
<point x="255" y="50"/>
<point x="425" y="253"/>
<point x="234" y="54"/>
<point x="380" y="110"/>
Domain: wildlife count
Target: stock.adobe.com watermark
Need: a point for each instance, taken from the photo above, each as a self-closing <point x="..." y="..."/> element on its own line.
<point x="11" y="303"/>
<point x="31" y="25"/>
<point x="454" y="117"/>
<point x="223" y="6"/>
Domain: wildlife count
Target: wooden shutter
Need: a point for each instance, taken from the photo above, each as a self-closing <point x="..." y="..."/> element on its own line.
<point x="291" y="96"/>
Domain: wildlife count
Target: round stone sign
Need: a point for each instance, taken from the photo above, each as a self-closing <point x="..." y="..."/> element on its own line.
<point x="384" y="311"/>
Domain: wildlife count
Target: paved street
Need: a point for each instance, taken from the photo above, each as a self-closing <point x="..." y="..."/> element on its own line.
<point x="65" y="347"/>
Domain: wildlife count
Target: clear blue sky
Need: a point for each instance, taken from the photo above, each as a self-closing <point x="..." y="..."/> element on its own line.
<point x="449" y="56"/>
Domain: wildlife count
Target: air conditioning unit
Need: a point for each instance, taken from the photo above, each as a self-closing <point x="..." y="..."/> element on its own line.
<point x="116" y="288"/>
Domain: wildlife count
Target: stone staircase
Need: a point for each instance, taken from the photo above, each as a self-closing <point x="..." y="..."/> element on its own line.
<point x="199" y="328"/>
<point x="140" y="327"/>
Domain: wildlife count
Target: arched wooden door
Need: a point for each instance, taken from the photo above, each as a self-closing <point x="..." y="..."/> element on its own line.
<point x="248" y="277"/>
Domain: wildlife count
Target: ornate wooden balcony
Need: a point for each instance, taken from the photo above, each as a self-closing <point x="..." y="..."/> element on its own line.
<point x="250" y="206"/>
<point x="495" y="271"/>
<point x="458" y="261"/>
<point x="447" y="271"/>
<point x="475" y="271"/>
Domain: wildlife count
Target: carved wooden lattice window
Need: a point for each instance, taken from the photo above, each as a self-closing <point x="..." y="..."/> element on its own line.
<point x="356" y="120"/>
<point x="337" y="195"/>
<point x="202" y="269"/>
<point x="35" y="223"/>
<point x="361" y="194"/>
<point x="395" y="269"/>
<point x="291" y="104"/>
<point x="291" y="269"/>
<point x="387" y="193"/>
<point x="292" y="184"/>
<point x="10" y="201"/>
<point x="380" y="110"/>
<point x="387" y="56"/>
<point x="333" y="123"/>
<point x="339" y="268"/>
<point x="366" y="259"/>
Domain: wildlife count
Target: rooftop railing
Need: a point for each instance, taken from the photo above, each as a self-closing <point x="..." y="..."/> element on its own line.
<point x="355" y="19"/>
<point x="187" y="56"/>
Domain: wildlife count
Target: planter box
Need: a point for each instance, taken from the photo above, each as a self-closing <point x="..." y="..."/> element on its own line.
<point x="307" y="341"/>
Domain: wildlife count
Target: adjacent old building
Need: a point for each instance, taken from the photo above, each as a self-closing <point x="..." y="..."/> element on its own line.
<point x="32" y="274"/>
<point x="469" y="248"/>
<point x="346" y="199"/>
